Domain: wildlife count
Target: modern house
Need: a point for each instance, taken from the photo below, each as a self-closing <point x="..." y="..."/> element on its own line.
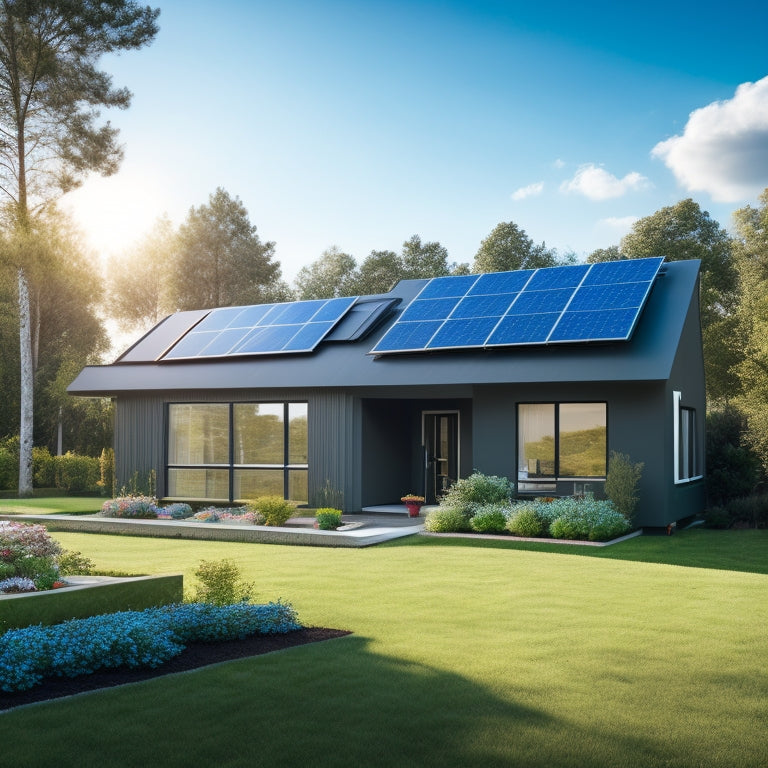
<point x="537" y="375"/>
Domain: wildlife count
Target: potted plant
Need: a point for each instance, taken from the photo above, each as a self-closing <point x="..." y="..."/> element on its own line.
<point x="413" y="503"/>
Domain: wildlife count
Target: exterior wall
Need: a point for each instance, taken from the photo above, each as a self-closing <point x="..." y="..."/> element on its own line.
<point x="637" y="426"/>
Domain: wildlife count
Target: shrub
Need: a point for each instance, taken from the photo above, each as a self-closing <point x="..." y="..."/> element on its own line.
<point x="490" y="518"/>
<point x="733" y="468"/>
<point x="9" y="469"/>
<point x="526" y="520"/>
<point x="751" y="510"/>
<point x="176" y="511"/>
<point x="221" y="583"/>
<point x="621" y="483"/>
<point x="328" y="519"/>
<point x="77" y="473"/>
<point x="43" y="468"/>
<point x="135" y="507"/>
<point x="327" y="497"/>
<point x="469" y="493"/>
<point x="445" y="519"/>
<point x="28" y="552"/>
<point x="587" y="519"/>
<point x="107" y="472"/>
<point x="275" y="509"/>
<point x="75" y="564"/>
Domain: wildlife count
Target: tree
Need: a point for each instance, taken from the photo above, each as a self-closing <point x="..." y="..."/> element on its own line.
<point x="508" y="248"/>
<point x="220" y="260"/>
<point x="612" y="253"/>
<point x="326" y="278"/>
<point x="684" y="231"/>
<point x="138" y="280"/>
<point x="751" y="250"/>
<point x="379" y="273"/>
<point x="50" y="94"/>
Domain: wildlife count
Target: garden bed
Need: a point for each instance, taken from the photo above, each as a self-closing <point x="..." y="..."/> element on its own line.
<point x="89" y="596"/>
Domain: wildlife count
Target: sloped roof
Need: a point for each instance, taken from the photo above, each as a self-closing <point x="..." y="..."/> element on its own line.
<point x="647" y="356"/>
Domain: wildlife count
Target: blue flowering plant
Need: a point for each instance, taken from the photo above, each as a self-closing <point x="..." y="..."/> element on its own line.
<point x="130" y="639"/>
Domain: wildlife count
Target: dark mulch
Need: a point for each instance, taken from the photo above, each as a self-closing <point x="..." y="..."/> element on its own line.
<point x="194" y="656"/>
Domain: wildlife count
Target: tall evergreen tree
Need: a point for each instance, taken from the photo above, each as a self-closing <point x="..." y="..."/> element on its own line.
<point x="50" y="95"/>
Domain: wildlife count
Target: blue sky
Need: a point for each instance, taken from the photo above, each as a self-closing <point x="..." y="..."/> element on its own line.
<point x="359" y="124"/>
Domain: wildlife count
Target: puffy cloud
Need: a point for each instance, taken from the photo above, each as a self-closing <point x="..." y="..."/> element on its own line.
<point x="724" y="147"/>
<point x="530" y="191"/>
<point x="596" y="183"/>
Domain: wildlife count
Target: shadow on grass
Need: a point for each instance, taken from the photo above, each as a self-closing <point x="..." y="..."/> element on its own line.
<point x="325" y="704"/>
<point x="731" y="550"/>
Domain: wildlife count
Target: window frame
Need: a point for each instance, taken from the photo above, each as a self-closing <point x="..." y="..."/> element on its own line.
<point x="549" y="483"/>
<point x="686" y="446"/>
<point x="231" y="466"/>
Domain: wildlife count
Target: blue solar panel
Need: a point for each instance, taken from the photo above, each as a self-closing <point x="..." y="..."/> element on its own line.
<point x="469" y="332"/>
<point x="407" y="337"/>
<point x="533" y="302"/>
<point x="501" y="282"/>
<point x="261" y="329"/>
<point x="428" y="309"/>
<point x="523" y="329"/>
<point x="447" y="287"/>
<point x="573" y="303"/>
<point x="605" y="325"/>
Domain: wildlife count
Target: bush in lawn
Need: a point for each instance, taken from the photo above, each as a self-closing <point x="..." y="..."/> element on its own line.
<point x="275" y="509"/>
<point x="717" y="517"/>
<point x="621" y="483"/>
<point x="75" y="564"/>
<point x="445" y="519"/>
<point x="132" y="507"/>
<point x="221" y="583"/>
<point x="526" y="520"/>
<point x="328" y="519"/>
<point x="43" y="468"/>
<point x="490" y="518"/>
<point x="468" y="494"/>
<point x="129" y="639"/>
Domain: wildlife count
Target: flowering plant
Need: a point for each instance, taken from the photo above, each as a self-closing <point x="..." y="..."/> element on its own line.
<point x="410" y="498"/>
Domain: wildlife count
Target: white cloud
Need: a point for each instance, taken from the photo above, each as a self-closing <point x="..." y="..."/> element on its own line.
<point x="596" y="183"/>
<point x="724" y="147"/>
<point x="558" y="163"/>
<point x="530" y="191"/>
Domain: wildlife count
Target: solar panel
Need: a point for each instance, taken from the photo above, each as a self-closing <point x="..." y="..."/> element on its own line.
<point x="261" y="329"/>
<point x="572" y="303"/>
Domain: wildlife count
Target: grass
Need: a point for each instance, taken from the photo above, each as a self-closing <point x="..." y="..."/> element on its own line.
<point x="464" y="654"/>
<point x="52" y="505"/>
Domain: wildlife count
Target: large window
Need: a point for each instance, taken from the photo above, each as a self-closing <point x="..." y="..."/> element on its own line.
<point x="687" y="461"/>
<point x="233" y="451"/>
<point x="560" y="441"/>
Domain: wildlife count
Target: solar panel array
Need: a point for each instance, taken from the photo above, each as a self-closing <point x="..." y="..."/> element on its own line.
<point x="575" y="303"/>
<point x="261" y="329"/>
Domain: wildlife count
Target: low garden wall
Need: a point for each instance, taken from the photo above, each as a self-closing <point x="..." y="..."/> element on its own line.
<point x="89" y="596"/>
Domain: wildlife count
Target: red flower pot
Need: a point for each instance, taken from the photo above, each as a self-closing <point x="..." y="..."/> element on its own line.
<point x="413" y="508"/>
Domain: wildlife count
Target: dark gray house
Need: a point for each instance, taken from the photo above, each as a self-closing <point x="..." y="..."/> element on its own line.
<point x="536" y="375"/>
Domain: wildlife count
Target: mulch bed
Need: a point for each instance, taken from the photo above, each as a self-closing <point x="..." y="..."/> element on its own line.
<point x="194" y="656"/>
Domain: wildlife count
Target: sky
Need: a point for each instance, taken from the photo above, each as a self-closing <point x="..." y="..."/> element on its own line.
<point x="359" y="124"/>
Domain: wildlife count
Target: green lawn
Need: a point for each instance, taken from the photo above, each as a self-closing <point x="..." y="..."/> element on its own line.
<point x="463" y="654"/>
<point x="51" y="505"/>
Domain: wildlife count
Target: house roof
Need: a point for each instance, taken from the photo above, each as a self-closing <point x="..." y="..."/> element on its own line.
<point x="344" y="359"/>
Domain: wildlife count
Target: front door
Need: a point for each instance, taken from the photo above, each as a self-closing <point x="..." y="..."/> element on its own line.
<point x="440" y="441"/>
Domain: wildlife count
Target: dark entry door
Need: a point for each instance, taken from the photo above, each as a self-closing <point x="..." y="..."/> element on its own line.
<point x="441" y="452"/>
